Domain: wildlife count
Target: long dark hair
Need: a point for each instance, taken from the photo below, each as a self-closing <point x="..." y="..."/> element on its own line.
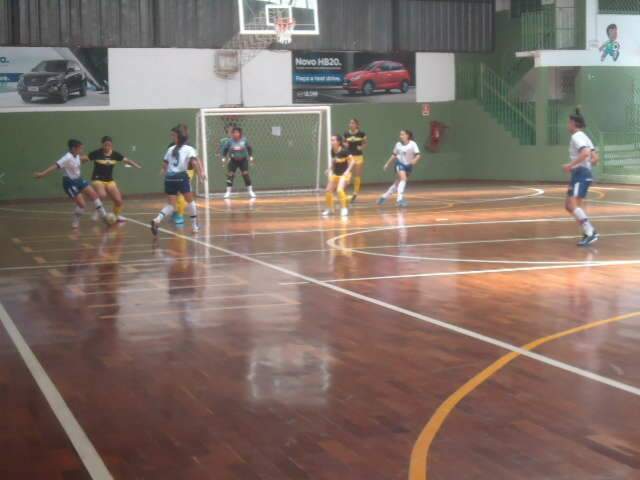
<point x="578" y="119"/>
<point x="182" y="131"/>
<point x="339" y="138"/>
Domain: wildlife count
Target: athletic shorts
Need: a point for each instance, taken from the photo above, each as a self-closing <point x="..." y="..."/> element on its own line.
<point x="336" y="178"/>
<point x="401" y="167"/>
<point x="581" y="180"/>
<point x="74" y="187"/>
<point x="177" y="183"/>
<point x="358" y="159"/>
<point x="234" y="165"/>
<point x="106" y="183"/>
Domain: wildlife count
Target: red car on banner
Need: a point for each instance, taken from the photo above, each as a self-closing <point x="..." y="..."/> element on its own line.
<point x="380" y="75"/>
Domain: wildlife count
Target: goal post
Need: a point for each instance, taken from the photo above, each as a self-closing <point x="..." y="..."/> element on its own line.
<point x="291" y="147"/>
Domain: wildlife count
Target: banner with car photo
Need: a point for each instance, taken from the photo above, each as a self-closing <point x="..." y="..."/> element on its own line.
<point x="53" y="78"/>
<point x="353" y="77"/>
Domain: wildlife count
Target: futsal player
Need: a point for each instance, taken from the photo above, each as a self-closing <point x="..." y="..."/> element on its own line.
<point x="181" y="203"/>
<point x="178" y="159"/>
<point x="583" y="156"/>
<point x="104" y="160"/>
<point x="405" y="156"/>
<point x="238" y="153"/>
<point x="342" y="164"/>
<point x="72" y="182"/>
<point x="357" y="141"/>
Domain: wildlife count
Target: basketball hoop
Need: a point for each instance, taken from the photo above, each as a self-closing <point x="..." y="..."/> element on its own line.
<point x="284" y="30"/>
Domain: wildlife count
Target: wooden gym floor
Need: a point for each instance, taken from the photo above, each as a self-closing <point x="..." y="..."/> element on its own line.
<point x="464" y="338"/>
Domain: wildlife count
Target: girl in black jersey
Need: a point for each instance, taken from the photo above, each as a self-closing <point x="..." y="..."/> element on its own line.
<point x="104" y="160"/>
<point x="342" y="164"/>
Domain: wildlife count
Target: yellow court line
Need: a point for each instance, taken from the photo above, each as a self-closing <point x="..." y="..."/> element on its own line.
<point x="420" y="452"/>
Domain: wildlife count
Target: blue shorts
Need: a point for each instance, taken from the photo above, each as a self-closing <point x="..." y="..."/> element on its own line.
<point x="74" y="187"/>
<point x="401" y="167"/>
<point x="177" y="183"/>
<point x="581" y="180"/>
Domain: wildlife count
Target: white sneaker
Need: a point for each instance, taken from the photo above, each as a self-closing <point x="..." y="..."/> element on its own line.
<point x="327" y="213"/>
<point x="252" y="194"/>
<point x="95" y="217"/>
<point x="227" y="195"/>
<point x="75" y="223"/>
<point x="195" y="229"/>
<point x="344" y="212"/>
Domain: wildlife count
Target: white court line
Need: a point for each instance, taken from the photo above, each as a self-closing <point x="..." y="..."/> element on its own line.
<point x="79" y="439"/>
<point x="394" y="308"/>
<point x="333" y="242"/>
<point x="355" y="230"/>
<point x="471" y="272"/>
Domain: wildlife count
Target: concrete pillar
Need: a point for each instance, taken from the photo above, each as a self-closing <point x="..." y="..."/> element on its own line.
<point x="542" y="95"/>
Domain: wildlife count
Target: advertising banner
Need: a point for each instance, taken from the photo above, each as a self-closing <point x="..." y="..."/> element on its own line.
<point x="53" y="78"/>
<point x="353" y="77"/>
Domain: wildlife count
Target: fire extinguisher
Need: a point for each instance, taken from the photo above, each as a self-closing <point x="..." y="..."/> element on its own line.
<point x="437" y="133"/>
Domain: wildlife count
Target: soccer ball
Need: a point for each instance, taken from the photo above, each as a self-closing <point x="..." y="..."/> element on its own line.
<point x="111" y="219"/>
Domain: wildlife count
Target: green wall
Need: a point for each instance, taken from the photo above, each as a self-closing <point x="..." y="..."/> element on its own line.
<point x="382" y="124"/>
<point x="33" y="141"/>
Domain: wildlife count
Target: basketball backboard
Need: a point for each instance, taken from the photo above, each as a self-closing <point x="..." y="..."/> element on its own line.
<point x="258" y="17"/>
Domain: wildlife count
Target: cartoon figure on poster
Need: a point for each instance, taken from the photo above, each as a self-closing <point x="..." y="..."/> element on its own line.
<point x="611" y="47"/>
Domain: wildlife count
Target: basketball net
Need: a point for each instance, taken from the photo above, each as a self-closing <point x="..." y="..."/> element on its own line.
<point x="284" y="30"/>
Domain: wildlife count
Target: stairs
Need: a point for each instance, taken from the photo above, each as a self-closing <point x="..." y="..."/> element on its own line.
<point x="495" y="95"/>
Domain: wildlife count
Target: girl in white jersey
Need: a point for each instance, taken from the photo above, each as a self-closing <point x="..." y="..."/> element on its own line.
<point x="178" y="160"/>
<point x="73" y="183"/>
<point x="583" y="156"/>
<point x="406" y="154"/>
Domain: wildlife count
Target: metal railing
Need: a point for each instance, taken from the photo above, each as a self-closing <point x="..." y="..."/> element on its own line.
<point x="620" y="7"/>
<point x="551" y="28"/>
<point x="479" y="82"/>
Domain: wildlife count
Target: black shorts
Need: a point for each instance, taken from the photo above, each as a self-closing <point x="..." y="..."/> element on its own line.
<point x="177" y="183"/>
<point x="234" y="165"/>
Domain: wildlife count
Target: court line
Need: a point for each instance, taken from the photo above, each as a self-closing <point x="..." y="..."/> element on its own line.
<point x="419" y="454"/>
<point x="203" y="299"/>
<point x="197" y="310"/>
<point x="79" y="439"/>
<point x="230" y="283"/>
<point x="471" y="272"/>
<point x="354" y="230"/>
<point x="333" y="242"/>
<point x="418" y="316"/>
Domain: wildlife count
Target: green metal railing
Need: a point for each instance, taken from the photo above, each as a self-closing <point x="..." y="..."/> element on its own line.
<point x="552" y="28"/>
<point x="479" y="82"/>
<point x="620" y="7"/>
<point x="496" y="97"/>
<point x="620" y="153"/>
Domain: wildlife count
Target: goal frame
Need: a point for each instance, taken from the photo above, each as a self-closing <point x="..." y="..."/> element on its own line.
<point x="324" y="138"/>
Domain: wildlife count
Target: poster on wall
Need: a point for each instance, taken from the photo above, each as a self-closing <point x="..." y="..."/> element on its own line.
<point x="618" y="40"/>
<point x="53" y="78"/>
<point x="353" y="77"/>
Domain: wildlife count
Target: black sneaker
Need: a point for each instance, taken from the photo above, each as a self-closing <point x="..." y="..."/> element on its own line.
<point x="353" y="198"/>
<point x="154" y="228"/>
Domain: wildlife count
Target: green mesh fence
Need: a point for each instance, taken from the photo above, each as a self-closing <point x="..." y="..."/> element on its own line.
<point x="621" y="7"/>
<point x="289" y="150"/>
<point x="552" y="28"/>
<point x="620" y="153"/>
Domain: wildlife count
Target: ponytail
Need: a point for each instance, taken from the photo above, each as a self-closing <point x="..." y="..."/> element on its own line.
<point x="182" y="132"/>
<point x="578" y="119"/>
